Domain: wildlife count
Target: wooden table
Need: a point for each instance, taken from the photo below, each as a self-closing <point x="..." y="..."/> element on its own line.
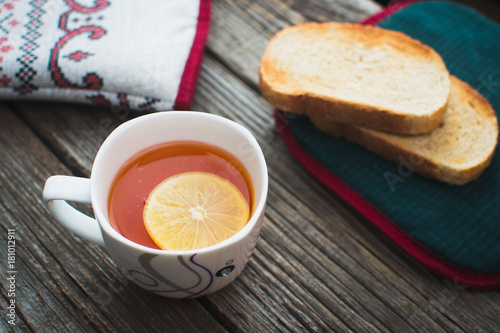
<point x="317" y="266"/>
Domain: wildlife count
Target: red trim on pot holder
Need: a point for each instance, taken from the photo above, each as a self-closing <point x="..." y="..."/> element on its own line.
<point x="191" y="72"/>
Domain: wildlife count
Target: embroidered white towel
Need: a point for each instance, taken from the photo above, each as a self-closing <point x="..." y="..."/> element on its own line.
<point x="143" y="55"/>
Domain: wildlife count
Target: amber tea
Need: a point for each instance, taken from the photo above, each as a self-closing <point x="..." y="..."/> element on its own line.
<point x="144" y="171"/>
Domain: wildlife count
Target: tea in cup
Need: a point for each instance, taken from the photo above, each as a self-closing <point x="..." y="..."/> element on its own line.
<point x="180" y="195"/>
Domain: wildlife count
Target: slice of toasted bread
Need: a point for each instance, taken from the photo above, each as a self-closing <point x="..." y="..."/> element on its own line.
<point x="368" y="76"/>
<point x="456" y="152"/>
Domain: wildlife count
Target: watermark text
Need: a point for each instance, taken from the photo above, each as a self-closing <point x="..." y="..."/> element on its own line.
<point x="11" y="276"/>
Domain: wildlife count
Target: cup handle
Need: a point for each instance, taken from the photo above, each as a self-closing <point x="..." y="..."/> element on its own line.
<point x="57" y="190"/>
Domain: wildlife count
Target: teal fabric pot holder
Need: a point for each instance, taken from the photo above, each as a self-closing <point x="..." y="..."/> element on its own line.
<point x="454" y="231"/>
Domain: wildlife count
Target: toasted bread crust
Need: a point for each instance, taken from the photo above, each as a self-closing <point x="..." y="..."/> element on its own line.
<point x="390" y="147"/>
<point x="273" y="81"/>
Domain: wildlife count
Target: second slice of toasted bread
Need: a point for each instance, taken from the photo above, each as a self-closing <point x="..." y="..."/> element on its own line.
<point x="368" y="76"/>
<point x="456" y="152"/>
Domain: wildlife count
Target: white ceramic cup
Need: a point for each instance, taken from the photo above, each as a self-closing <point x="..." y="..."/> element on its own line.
<point x="176" y="274"/>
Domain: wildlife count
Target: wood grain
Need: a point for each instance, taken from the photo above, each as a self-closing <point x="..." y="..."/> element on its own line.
<point x="318" y="267"/>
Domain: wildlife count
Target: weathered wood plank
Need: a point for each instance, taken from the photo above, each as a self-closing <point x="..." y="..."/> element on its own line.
<point x="339" y="10"/>
<point x="56" y="123"/>
<point x="65" y="284"/>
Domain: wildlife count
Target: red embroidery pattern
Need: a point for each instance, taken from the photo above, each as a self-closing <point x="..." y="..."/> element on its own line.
<point x="5" y="80"/>
<point x="99" y="99"/>
<point x="98" y="5"/>
<point x="124" y="102"/>
<point x="72" y="41"/>
<point x="148" y="104"/>
<point x="91" y="81"/>
<point x="122" y="97"/>
<point x="4" y="49"/>
<point x="26" y="72"/>
<point x="7" y="21"/>
<point x="78" y="56"/>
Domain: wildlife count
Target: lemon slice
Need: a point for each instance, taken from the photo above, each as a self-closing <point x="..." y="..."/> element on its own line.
<point x="194" y="210"/>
